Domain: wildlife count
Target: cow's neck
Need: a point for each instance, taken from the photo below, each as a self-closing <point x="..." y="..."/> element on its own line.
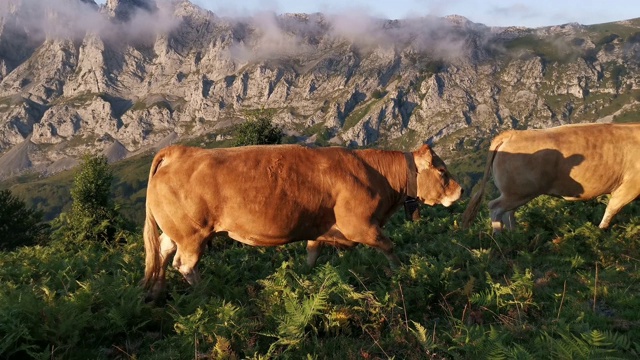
<point x="398" y="168"/>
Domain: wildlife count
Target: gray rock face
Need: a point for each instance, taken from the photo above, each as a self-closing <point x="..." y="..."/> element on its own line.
<point x="126" y="76"/>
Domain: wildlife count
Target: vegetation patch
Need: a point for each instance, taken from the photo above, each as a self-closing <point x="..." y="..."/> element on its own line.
<point x="254" y="114"/>
<point x="628" y="116"/>
<point x="142" y="105"/>
<point x="549" y="50"/>
<point x="358" y="114"/>
<point x="407" y="142"/>
<point x="558" y="287"/>
<point x="78" y="100"/>
<point x="607" y="32"/>
<point x="260" y="131"/>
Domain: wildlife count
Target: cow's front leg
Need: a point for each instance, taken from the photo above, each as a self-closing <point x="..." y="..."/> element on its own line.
<point x="387" y="249"/>
<point x="332" y="237"/>
<point x="373" y="236"/>
<point x="384" y="244"/>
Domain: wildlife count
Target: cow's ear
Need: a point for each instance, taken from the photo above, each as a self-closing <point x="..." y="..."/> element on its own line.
<point x="423" y="157"/>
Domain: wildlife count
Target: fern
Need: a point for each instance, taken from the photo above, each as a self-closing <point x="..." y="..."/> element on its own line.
<point x="299" y="315"/>
<point x="421" y="334"/>
<point x="594" y="344"/>
<point x="516" y="296"/>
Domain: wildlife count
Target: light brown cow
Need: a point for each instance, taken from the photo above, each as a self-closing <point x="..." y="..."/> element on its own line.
<point x="575" y="162"/>
<point x="274" y="195"/>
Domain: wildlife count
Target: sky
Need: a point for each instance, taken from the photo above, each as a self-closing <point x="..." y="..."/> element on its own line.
<point x="530" y="13"/>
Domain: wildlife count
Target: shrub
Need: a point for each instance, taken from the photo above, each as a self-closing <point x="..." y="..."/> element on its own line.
<point x="378" y="94"/>
<point x="257" y="132"/>
<point x="19" y="224"/>
<point x="93" y="215"/>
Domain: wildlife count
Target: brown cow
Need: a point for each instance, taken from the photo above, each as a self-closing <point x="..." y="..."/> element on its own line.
<point x="274" y="195"/>
<point x="575" y="162"/>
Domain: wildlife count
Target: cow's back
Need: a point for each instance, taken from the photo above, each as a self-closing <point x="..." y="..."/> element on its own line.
<point x="263" y="195"/>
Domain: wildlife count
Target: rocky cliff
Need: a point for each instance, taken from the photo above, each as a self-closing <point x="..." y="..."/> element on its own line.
<point x="132" y="75"/>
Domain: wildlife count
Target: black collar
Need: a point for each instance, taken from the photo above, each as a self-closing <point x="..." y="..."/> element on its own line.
<point x="412" y="176"/>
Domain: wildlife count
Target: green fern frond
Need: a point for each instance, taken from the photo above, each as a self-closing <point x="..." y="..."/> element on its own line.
<point x="300" y="315"/>
<point x="420" y="332"/>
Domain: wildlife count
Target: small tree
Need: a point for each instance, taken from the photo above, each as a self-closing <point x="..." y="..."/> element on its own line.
<point x="93" y="215"/>
<point x="19" y="224"/>
<point x="257" y="132"/>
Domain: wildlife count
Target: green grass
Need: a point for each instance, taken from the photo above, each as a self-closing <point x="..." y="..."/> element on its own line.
<point x="142" y="105"/>
<point x="130" y="186"/>
<point x="459" y="294"/>
<point x="254" y="114"/>
<point x="51" y="195"/>
<point x="409" y="141"/>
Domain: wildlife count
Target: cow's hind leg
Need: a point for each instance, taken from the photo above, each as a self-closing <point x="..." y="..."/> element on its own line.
<point x="503" y="208"/>
<point x="509" y="220"/>
<point x="314" y="248"/>
<point x="167" y="250"/>
<point x="619" y="198"/>
<point x="496" y="211"/>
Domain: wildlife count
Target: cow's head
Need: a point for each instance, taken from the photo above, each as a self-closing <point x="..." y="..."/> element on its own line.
<point x="434" y="182"/>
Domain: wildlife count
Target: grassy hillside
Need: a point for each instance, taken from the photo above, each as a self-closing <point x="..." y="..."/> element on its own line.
<point x="557" y="288"/>
<point x="51" y="195"/>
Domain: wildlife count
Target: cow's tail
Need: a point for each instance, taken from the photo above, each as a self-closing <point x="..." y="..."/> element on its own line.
<point x="151" y="237"/>
<point x="472" y="209"/>
<point x="152" y="251"/>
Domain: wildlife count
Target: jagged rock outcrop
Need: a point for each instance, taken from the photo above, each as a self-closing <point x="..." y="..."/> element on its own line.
<point x="123" y="10"/>
<point x="134" y="74"/>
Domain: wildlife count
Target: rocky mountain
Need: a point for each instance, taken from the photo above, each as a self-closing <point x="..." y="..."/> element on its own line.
<point x="134" y="75"/>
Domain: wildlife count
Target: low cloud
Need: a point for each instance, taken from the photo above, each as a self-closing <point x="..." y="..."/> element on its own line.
<point x="261" y="36"/>
<point x="279" y="36"/>
<point x="73" y="19"/>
